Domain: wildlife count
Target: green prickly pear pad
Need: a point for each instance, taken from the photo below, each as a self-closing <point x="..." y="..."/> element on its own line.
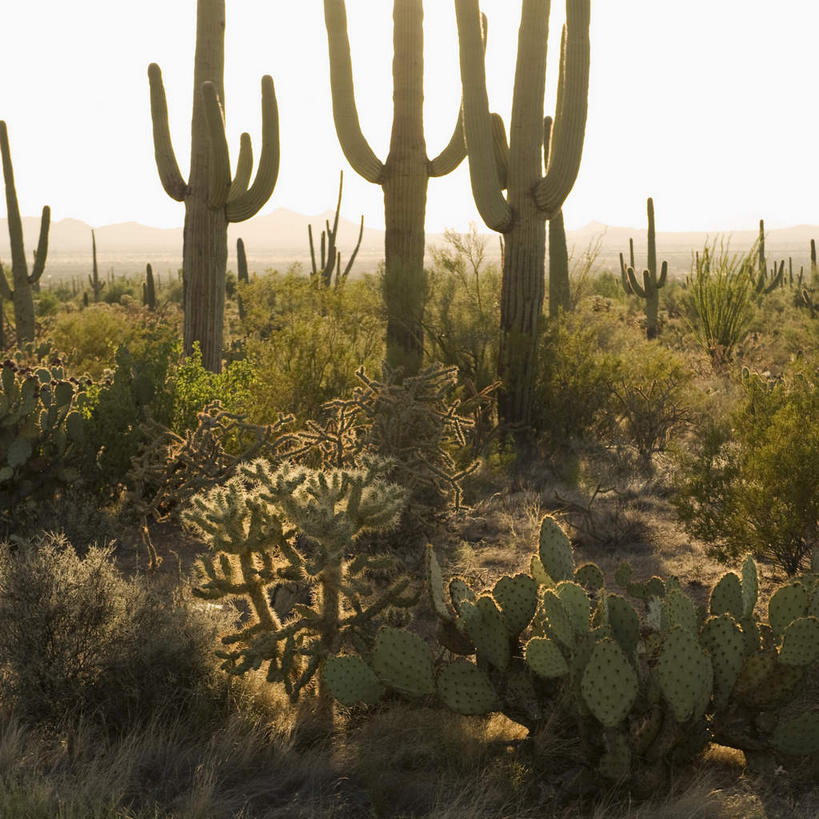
<point x="539" y="574"/>
<point x="622" y="574"/>
<point x="466" y="689"/>
<point x="787" y="604"/>
<point x="624" y="622"/>
<point x="555" y="551"/>
<point x="403" y="661"/>
<point x="727" y="597"/>
<point x="545" y="658"/>
<point x="798" y="736"/>
<point x="558" y="620"/>
<point x="609" y="683"/>
<point x="517" y="598"/>
<point x="726" y="645"/>
<point x="750" y="586"/>
<point x="435" y="585"/>
<point x="685" y="674"/>
<point x="590" y="577"/>
<point x="458" y="592"/>
<point x="800" y="642"/>
<point x="679" y="610"/>
<point x="352" y="681"/>
<point x="615" y="764"/>
<point x="576" y="602"/>
<point x="486" y="629"/>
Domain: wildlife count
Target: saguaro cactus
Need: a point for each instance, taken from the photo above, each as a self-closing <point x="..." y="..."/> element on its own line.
<point x="650" y="289"/>
<point x="94" y="277"/>
<point x="403" y="176"/>
<point x="212" y="197"/>
<point x="532" y="197"/>
<point x="149" y="288"/>
<point x="22" y="295"/>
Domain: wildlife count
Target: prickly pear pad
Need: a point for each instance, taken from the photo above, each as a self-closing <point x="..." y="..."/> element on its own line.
<point x="557" y="620"/>
<point x="590" y="577"/>
<point x="466" y="689"/>
<point x="685" y="674"/>
<point x="726" y="597"/>
<point x="458" y="592"/>
<point x="539" y="574"/>
<point x="624" y="622"/>
<point x="352" y="681"/>
<point x="798" y="736"/>
<point x="726" y="645"/>
<point x="800" y="643"/>
<point x="486" y="629"/>
<point x="435" y="585"/>
<point x="517" y="598"/>
<point x="679" y="610"/>
<point x="786" y="605"/>
<point x="750" y="586"/>
<point x="545" y="658"/>
<point x="555" y="551"/>
<point x="403" y="661"/>
<point x="609" y="683"/>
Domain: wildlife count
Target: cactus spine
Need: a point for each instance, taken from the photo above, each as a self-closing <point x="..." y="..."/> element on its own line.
<point x="404" y="175"/>
<point x="23" y="283"/>
<point x="532" y="198"/>
<point x="212" y="197"/>
<point x="651" y="282"/>
<point x="330" y="258"/>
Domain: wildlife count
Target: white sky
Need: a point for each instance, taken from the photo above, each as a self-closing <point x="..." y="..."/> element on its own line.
<point x="709" y="106"/>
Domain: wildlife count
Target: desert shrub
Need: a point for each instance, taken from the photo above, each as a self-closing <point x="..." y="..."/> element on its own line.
<point x="753" y="481"/>
<point x="462" y="313"/>
<point x="116" y="290"/>
<point x="305" y="343"/>
<point x="76" y="638"/>
<point x="607" y="285"/>
<point x="652" y="396"/>
<point x="572" y="392"/>
<point x="721" y="299"/>
<point x="47" y="303"/>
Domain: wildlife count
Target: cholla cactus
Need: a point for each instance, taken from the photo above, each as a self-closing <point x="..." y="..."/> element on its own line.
<point x="295" y="526"/>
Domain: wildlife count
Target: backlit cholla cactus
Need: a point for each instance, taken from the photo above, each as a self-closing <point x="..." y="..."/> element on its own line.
<point x="298" y="527"/>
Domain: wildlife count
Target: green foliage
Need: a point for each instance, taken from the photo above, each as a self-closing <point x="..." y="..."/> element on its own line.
<point x="572" y="393"/>
<point x="652" y="396"/>
<point x="305" y="343"/>
<point x="76" y="638"/>
<point x="753" y="483"/>
<point x="463" y="308"/>
<point x="721" y="299"/>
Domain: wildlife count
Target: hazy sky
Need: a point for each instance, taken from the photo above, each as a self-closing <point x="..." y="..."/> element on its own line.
<point x="709" y="106"/>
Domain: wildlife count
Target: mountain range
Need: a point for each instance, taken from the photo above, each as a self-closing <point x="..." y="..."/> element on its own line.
<point x="278" y="239"/>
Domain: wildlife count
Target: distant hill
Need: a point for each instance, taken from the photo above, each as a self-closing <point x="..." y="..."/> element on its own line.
<point x="278" y="239"/>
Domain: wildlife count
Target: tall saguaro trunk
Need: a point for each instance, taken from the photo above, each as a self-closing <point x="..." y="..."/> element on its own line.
<point x="22" y="296"/>
<point x="212" y="197"/>
<point x="405" y="174"/>
<point x="532" y="198"/>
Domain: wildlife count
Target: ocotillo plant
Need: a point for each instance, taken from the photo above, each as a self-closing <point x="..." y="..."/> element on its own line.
<point x="22" y="295"/>
<point x="149" y="289"/>
<point x="404" y="175"/>
<point x="651" y="282"/>
<point x="330" y="258"/>
<point x="212" y="197"/>
<point x="532" y="197"/>
<point x="94" y="278"/>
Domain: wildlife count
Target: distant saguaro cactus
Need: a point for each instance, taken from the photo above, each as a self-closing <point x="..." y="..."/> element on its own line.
<point x="22" y="295"/>
<point x="532" y="197"/>
<point x="761" y="284"/>
<point x="212" y="197"/>
<point x="94" y="277"/>
<point x="404" y="175"/>
<point x="242" y="276"/>
<point x="650" y="289"/>
<point x="149" y="288"/>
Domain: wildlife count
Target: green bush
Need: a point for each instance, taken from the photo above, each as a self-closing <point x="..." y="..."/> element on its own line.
<point x="753" y="482"/>
<point x="462" y="313"/>
<point x="76" y="638"/>
<point x="305" y="343"/>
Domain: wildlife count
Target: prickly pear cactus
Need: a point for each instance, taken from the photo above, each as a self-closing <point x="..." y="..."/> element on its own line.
<point x="464" y="688"/>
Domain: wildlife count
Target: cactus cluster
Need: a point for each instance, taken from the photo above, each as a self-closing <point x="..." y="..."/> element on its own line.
<point x="652" y="282"/>
<point x="42" y="430"/>
<point x="292" y="531"/>
<point x="765" y="281"/>
<point x="643" y="687"/>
